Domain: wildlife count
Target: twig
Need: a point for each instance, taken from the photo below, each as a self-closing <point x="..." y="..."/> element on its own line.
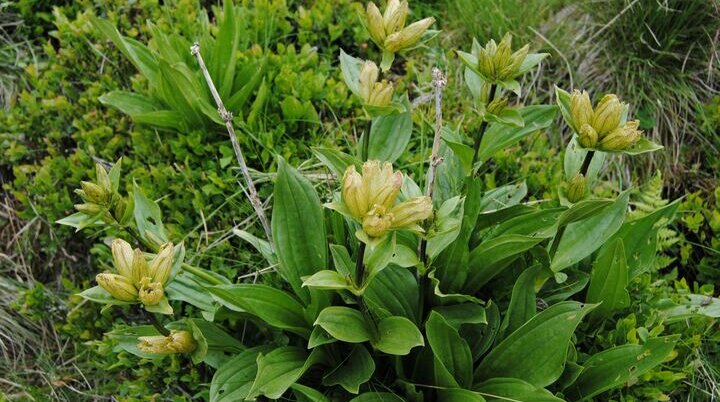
<point x="227" y="118"/>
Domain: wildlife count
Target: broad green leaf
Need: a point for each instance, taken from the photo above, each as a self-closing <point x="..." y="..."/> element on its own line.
<point x="344" y="323"/>
<point x="307" y="394"/>
<point x="319" y="337"/>
<point x="167" y="119"/>
<point x="619" y="365"/>
<point x="492" y="256"/>
<point x="564" y="101"/>
<point x="531" y="60"/>
<point x="261" y="245"/>
<point x="256" y="72"/>
<point x="498" y="137"/>
<point x="513" y="389"/>
<point x="446" y="226"/>
<point x="129" y="103"/>
<point x="553" y="291"/>
<point x="535" y="224"/>
<point x="350" y="67"/>
<point x="458" y="314"/>
<point x="162" y="307"/>
<point x="341" y="259"/>
<point x="138" y="54"/>
<point x="327" y="280"/>
<point x="297" y="228"/>
<point x="639" y="237"/>
<point x="221" y="64"/>
<point x="377" y="397"/>
<point x="687" y="306"/>
<point x="275" y="307"/>
<point x="233" y="380"/>
<point x="459" y="395"/>
<point x="508" y="116"/>
<point x="336" y="161"/>
<point x="397" y="336"/>
<point x="608" y="281"/>
<point x="503" y="197"/>
<point x="355" y="370"/>
<point x="390" y="134"/>
<point x="582" y="238"/>
<point x="394" y="291"/>
<point x="80" y="221"/>
<point x="523" y="305"/>
<point x="536" y="351"/>
<point x="583" y="210"/>
<point x="280" y="369"/>
<point x="378" y="256"/>
<point x="214" y="344"/>
<point x="481" y="337"/>
<point x="643" y="146"/>
<point x="99" y="295"/>
<point x="453" y="360"/>
<point x="147" y="215"/>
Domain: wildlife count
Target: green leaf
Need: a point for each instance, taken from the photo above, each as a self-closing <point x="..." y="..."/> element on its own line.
<point x="498" y="137"/>
<point x="575" y="282"/>
<point x="166" y="119"/>
<point x="508" y="116"/>
<point x="336" y="161"/>
<point x="344" y="323"/>
<point x="541" y="223"/>
<point x="582" y="238"/>
<point x="583" y="210"/>
<point x="350" y="67"/>
<point x="80" y="221"/>
<point x="261" y="245"/>
<point x="574" y="158"/>
<point x="523" y="305"/>
<point x="213" y="343"/>
<point x="138" y="54"/>
<point x="127" y="340"/>
<point x="341" y="259"/>
<point x="564" y="101"/>
<point x="99" y="295"/>
<point x="162" y="307"/>
<point x="639" y="237"/>
<point x="355" y="370"/>
<point x="275" y="307"/>
<point x="233" y="380"/>
<point x="377" y="397"/>
<point x="397" y="336"/>
<point x="531" y="60"/>
<point x="147" y="215"/>
<point x="536" y="351"/>
<point x="298" y="228"/>
<point x="513" y="389"/>
<point x="458" y="314"/>
<point x="280" y="369"/>
<point x="643" y="146"/>
<point x="129" y="103"/>
<point x="307" y="394"/>
<point x="492" y="256"/>
<point x="327" y="279"/>
<point x="687" y="306"/>
<point x="619" y="365"/>
<point x="446" y="226"/>
<point x="608" y="280"/>
<point x="378" y="256"/>
<point x="394" y="291"/>
<point x="453" y="360"/>
<point x="459" y="395"/>
<point x="390" y="134"/>
<point x="503" y="197"/>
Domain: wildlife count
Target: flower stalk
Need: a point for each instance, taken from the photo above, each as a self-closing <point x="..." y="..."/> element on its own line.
<point x="483" y="127"/>
<point x="227" y="118"/>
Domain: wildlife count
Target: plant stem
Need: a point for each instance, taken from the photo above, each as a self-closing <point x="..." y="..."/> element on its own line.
<point x="483" y="128"/>
<point x="360" y="266"/>
<point x="154" y="321"/>
<point x="365" y="146"/>
<point x="561" y="231"/>
<point x="227" y="118"/>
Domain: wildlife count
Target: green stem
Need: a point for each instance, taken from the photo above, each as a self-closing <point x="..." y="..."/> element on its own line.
<point x="483" y="127"/>
<point x="202" y="274"/>
<point x="154" y="321"/>
<point x="365" y="146"/>
<point x="561" y="230"/>
<point x="360" y="283"/>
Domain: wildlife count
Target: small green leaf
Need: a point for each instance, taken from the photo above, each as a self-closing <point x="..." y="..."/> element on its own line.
<point x="233" y="380"/>
<point x="390" y="134"/>
<point x="335" y="160"/>
<point x="498" y="137"/>
<point x="344" y="323"/>
<point x="453" y="360"/>
<point x="583" y="210"/>
<point x="355" y="370"/>
<point x="492" y="256"/>
<point x="99" y="295"/>
<point x="643" y="146"/>
<point x="327" y="279"/>
<point x="162" y="307"/>
<point x="350" y="67"/>
<point x="280" y="369"/>
<point x="397" y="336"/>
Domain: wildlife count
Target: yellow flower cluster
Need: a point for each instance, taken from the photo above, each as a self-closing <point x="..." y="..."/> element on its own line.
<point x="388" y="29"/>
<point x="600" y="128"/>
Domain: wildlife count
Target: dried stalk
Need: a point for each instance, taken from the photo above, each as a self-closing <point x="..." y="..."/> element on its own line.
<point x="227" y="118"/>
<point x="438" y="82"/>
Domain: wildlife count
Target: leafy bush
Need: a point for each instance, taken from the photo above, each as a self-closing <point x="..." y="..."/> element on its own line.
<point x="391" y="292"/>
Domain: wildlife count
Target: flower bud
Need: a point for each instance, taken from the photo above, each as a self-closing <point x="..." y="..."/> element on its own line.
<point x="622" y="137"/>
<point x="497" y="106"/>
<point x="576" y="188"/>
<point x="381" y="94"/>
<point x="368" y="78"/>
<point x="409" y="36"/>
<point x="118" y="286"/>
<point x="352" y="193"/>
<point x="515" y="62"/>
<point x="154" y="239"/>
<point x="120" y="208"/>
<point x="587" y="137"/>
<point x="395" y="15"/>
<point x="411" y="211"/>
<point x="377" y="222"/>
<point x="103" y="180"/>
<point x="89" y="208"/>
<point x="176" y="342"/>
<point x="486" y="64"/>
<point x="94" y="193"/>
<point x="123" y="256"/>
<point x="502" y="55"/>
<point x="161" y="265"/>
<point x="607" y="115"/>
<point x="581" y="109"/>
<point x="381" y="184"/>
<point x="139" y="267"/>
<point x="375" y="24"/>
<point x="150" y="292"/>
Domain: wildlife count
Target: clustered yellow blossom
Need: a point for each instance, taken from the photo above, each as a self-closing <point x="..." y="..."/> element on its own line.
<point x="600" y="128"/>
<point x="370" y="198"/>
<point x="372" y="92"/>
<point x="388" y="29"/>
<point x="176" y="342"/>
<point x="497" y="62"/>
<point x="136" y="279"/>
